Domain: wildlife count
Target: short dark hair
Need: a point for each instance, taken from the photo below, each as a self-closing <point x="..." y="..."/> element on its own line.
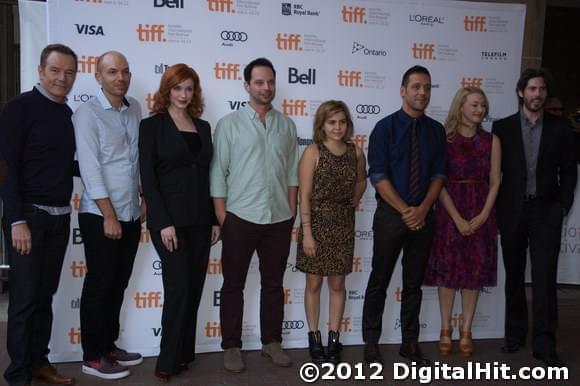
<point x="530" y="73"/>
<point x="411" y="71"/>
<point x="60" y="48"/>
<point x="260" y="62"/>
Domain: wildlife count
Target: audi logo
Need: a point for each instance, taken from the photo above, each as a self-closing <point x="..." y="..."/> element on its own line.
<point x="368" y="109"/>
<point x="292" y="324"/>
<point x="234" y="36"/>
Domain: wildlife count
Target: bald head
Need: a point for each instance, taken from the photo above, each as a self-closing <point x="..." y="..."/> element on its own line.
<point x="114" y="76"/>
<point x="109" y="55"/>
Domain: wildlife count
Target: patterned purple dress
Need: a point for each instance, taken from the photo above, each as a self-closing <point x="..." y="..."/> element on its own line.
<point x="458" y="261"/>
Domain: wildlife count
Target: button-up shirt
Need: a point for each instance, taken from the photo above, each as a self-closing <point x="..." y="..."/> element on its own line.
<point x="531" y="136"/>
<point x="253" y="165"/>
<point x="389" y="153"/>
<point x="107" y="150"/>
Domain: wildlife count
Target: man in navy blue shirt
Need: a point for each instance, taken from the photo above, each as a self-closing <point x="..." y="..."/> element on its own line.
<point x="408" y="159"/>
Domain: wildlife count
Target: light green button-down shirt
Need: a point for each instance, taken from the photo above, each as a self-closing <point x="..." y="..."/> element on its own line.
<point x="253" y="165"/>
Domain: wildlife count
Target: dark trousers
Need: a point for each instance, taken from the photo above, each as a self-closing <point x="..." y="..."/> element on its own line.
<point x="183" y="273"/>
<point x="540" y="227"/>
<point x="391" y="235"/>
<point x="109" y="266"/>
<point x="33" y="281"/>
<point x="272" y="243"/>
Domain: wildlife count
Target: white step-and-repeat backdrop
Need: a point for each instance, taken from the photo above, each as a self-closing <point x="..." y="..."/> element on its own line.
<point x="352" y="50"/>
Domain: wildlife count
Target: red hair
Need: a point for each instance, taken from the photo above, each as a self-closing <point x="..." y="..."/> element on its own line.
<point x="171" y="78"/>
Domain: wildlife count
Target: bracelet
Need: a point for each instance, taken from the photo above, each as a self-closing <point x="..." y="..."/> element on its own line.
<point x="305" y="225"/>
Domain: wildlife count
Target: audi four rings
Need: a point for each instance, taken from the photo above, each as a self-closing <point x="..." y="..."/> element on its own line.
<point x="234" y="36"/>
<point x="292" y="324"/>
<point x="368" y="109"/>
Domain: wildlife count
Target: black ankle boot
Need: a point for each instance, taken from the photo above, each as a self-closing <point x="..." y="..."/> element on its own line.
<point x="315" y="347"/>
<point x="334" y="347"/>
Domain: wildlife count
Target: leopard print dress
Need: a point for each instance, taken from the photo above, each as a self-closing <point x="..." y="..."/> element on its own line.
<point x="332" y="214"/>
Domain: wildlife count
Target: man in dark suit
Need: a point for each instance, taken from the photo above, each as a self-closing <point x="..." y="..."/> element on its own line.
<point x="536" y="192"/>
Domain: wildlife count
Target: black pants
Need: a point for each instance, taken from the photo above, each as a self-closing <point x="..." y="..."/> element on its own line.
<point x="540" y="227"/>
<point x="272" y="243"/>
<point x="109" y="266"/>
<point x="391" y="235"/>
<point x="33" y="281"/>
<point x="183" y="273"/>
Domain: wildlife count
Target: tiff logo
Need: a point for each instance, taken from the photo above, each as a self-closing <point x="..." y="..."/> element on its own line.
<point x="227" y="71"/>
<point x="213" y="330"/>
<point x="148" y="299"/>
<point x="360" y="140"/>
<point x="87" y="64"/>
<point x="356" y="264"/>
<point x="168" y="3"/>
<point x="74" y="335"/>
<point x="475" y="23"/>
<point x="149" y="101"/>
<point x="344" y="325"/>
<point x="90" y="29"/>
<point x="354" y="15"/>
<point x="398" y="293"/>
<point x="214" y="267"/>
<point x="423" y="51"/>
<point x="224" y="6"/>
<point x="288" y="42"/>
<point x="78" y="269"/>
<point x="348" y="78"/>
<point x="287" y="296"/>
<point x="151" y="33"/>
<point x="294" y="107"/>
<point x="457" y="320"/>
<point x="471" y="82"/>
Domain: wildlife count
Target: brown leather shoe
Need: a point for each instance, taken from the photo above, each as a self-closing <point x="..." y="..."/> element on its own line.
<point x="48" y="374"/>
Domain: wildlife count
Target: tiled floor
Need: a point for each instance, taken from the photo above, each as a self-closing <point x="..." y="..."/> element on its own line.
<point x="207" y="369"/>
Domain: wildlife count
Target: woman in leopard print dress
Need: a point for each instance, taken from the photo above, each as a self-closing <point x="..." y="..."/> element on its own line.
<point x="332" y="181"/>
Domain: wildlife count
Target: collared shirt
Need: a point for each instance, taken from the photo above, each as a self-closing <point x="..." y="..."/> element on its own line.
<point x="107" y="148"/>
<point x="389" y="153"/>
<point x="531" y="136"/>
<point x="253" y="165"/>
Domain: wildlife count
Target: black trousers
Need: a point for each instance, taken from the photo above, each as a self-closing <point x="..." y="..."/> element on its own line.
<point x="272" y="243"/>
<point x="391" y="235"/>
<point x="183" y="273"/>
<point x="539" y="227"/>
<point x="109" y="266"/>
<point x="33" y="281"/>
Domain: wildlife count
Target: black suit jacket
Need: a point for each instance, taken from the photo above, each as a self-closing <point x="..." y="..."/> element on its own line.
<point x="175" y="181"/>
<point x="555" y="171"/>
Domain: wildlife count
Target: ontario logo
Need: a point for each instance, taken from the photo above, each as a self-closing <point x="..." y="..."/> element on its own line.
<point x="360" y="48"/>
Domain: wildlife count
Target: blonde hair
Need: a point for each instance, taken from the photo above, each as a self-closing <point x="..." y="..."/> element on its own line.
<point x="324" y="112"/>
<point x="455" y="116"/>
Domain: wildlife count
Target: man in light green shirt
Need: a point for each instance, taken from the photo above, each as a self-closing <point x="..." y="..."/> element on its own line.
<point x="254" y="183"/>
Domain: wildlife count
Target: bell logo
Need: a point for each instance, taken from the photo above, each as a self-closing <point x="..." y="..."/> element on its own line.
<point x="348" y="78"/>
<point x="356" y="264"/>
<point x="475" y="23"/>
<point x="295" y="77"/>
<point x="294" y="107"/>
<point x="213" y="330"/>
<point x="471" y="82"/>
<point x="288" y="42"/>
<point x="398" y="294"/>
<point x="457" y="320"/>
<point x="345" y="325"/>
<point x="423" y="51"/>
<point x="227" y="71"/>
<point x="355" y="15"/>
<point x="149" y="101"/>
<point x="78" y="269"/>
<point x="74" y="335"/>
<point x="360" y="140"/>
<point x="223" y="6"/>
<point x="87" y="64"/>
<point x="168" y="3"/>
<point x="151" y="33"/>
<point x="287" y="296"/>
<point x="214" y="267"/>
<point x="148" y="299"/>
